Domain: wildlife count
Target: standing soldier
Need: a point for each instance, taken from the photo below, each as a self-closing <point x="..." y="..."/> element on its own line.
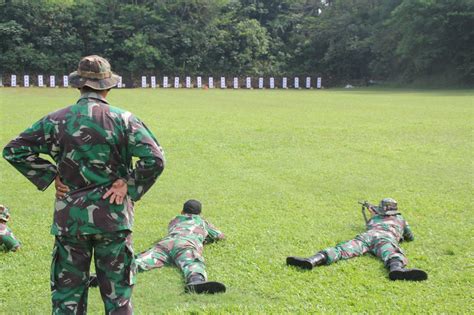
<point x="92" y="144"/>
<point x="385" y="230"/>
<point x="183" y="247"/>
<point x="7" y="240"/>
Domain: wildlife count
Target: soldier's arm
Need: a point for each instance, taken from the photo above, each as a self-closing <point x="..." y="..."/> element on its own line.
<point x="23" y="153"/>
<point x="151" y="161"/>
<point x="372" y="209"/>
<point x="214" y="233"/>
<point x="407" y="233"/>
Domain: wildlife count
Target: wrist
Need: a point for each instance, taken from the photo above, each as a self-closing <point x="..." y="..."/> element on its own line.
<point x="122" y="180"/>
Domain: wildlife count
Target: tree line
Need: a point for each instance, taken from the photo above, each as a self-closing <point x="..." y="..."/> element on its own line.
<point x="341" y="40"/>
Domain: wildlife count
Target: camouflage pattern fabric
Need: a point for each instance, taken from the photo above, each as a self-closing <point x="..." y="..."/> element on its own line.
<point x="173" y="251"/>
<point x="115" y="267"/>
<point x="382" y="239"/>
<point x="8" y="241"/>
<point x="92" y="144"/>
<point x="387" y="206"/>
<point x="394" y="225"/>
<point x="182" y="247"/>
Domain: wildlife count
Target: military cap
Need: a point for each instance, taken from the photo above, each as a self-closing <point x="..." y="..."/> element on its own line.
<point x="192" y="207"/>
<point x="4" y="213"/>
<point x="95" y="72"/>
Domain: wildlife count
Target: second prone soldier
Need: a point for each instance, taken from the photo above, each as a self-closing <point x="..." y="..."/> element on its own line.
<point x="385" y="230"/>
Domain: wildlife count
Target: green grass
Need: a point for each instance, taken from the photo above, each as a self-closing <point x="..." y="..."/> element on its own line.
<point x="280" y="172"/>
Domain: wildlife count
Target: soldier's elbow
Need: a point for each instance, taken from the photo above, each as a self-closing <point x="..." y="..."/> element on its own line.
<point x="159" y="165"/>
<point x="6" y="153"/>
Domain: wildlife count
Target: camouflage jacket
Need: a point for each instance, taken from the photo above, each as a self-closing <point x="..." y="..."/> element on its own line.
<point x="395" y="225"/>
<point x="92" y="145"/>
<point x="7" y="239"/>
<point x="194" y="228"/>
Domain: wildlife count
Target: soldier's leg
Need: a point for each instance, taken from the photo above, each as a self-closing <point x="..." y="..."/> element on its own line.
<point x="387" y="249"/>
<point x="191" y="263"/>
<point x="349" y="249"/>
<point x="395" y="260"/>
<point x="70" y="274"/>
<point x="155" y="257"/>
<point x="115" y="267"/>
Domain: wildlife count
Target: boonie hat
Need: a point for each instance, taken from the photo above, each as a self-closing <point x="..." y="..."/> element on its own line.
<point x="95" y="72"/>
<point x="388" y="206"/>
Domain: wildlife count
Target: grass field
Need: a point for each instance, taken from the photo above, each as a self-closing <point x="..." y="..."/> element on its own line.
<point x="280" y="172"/>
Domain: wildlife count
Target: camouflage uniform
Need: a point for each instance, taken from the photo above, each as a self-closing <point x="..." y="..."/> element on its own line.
<point x="182" y="246"/>
<point x="92" y="144"/>
<point x="8" y="241"/>
<point x="385" y="230"/>
<point x="381" y="239"/>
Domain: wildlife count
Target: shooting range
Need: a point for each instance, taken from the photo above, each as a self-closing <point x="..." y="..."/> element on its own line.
<point x="289" y="120"/>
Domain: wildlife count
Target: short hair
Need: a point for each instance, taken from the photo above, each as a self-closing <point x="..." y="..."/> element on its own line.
<point x="192" y="207"/>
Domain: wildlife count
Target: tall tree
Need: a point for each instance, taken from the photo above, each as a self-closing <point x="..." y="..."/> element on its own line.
<point x="430" y="38"/>
<point x="339" y="39"/>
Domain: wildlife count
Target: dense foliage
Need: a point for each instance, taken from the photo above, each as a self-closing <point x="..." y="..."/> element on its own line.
<point x="343" y="40"/>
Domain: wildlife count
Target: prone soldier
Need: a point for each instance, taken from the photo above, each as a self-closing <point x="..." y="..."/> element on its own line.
<point x="183" y="247"/>
<point x="7" y="240"/>
<point x="385" y="229"/>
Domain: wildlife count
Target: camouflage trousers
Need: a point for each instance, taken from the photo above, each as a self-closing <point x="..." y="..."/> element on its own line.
<point x="115" y="268"/>
<point x="183" y="253"/>
<point x="381" y="244"/>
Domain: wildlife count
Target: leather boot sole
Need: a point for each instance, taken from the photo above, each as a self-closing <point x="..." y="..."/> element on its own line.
<point x="408" y="274"/>
<point x="299" y="262"/>
<point x="209" y="287"/>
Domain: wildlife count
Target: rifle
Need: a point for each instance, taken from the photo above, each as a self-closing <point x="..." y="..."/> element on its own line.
<point x="366" y="205"/>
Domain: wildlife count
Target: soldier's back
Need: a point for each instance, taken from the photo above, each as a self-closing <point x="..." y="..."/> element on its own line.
<point x="188" y="226"/>
<point x="89" y="143"/>
<point x="392" y="224"/>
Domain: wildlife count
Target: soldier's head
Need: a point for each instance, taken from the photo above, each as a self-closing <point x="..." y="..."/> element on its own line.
<point x="93" y="73"/>
<point x="192" y="207"/>
<point x="4" y="213"/>
<point x="388" y="206"/>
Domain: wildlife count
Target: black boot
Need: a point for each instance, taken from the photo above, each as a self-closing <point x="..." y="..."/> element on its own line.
<point x="307" y="263"/>
<point x="93" y="281"/>
<point x="198" y="284"/>
<point x="398" y="272"/>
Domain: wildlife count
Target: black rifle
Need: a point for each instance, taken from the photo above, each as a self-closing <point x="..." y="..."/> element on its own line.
<point x="366" y="205"/>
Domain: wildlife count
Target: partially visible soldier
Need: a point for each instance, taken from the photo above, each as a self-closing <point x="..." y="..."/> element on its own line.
<point x="8" y="241"/>
<point x="385" y="230"/>
<point x="183" y="247"/>
<point x="92" y="144"/>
